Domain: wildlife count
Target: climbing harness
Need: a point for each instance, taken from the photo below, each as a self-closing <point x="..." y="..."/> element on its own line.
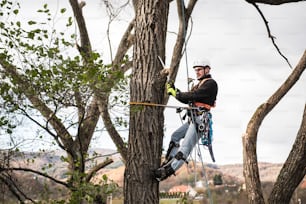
<point x="204" y="128"/>
<point x="205" y="132"/>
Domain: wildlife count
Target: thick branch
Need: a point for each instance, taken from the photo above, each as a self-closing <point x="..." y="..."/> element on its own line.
<point x="12" y="189"/>
<point x="113" y="133"/>
<point x="125" y="44"/>
<point x="15" y="188"/>
<point x="273" y="2"/>
<point x="95" y="169"/>
<point x="88" y="124"/>
<point x="265" y="108"/>
<point x="184" y="16"/>
<point x="77" y="11"/>
<point x="294" y="169"/>
<point x="89" y="117"/>
<point x="36" y="172"/>
<point x="80" y="105"/>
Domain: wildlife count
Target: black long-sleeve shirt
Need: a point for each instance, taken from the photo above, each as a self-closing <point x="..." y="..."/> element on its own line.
<point x="206" y="92"/>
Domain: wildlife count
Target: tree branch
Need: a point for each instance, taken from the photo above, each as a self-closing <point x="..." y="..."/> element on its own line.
<point x="125" y="44"/>
<point x="273" y="2"/>
<point x="95" y="169"/>
<point x="79" y="105"/>
<point x="12" y="189"/>
<point x="184" y="16"/>
<point x="88" y="124"/>
<point x="36" y="172"/>
<point x="294" y="169"/>
<point x="85" y="42"/>
<point x="270" y="35"/>
<point x="266" y="107"/>
<point x="103" y="109"/>
<point x="15" y="189"/>
<point x="45" y="128"/>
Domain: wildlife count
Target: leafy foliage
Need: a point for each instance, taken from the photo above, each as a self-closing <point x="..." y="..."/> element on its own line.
<point x="47" y="60"/>
<point x="94" y="193"/>
<point x="41" y="67"/>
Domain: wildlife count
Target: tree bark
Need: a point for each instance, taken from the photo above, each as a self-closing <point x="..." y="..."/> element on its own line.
<point x="250" y="165"/>
<point x="294" y="169"/>
<point x="146" y="123"/>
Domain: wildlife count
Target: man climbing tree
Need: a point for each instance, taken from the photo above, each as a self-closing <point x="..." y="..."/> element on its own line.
<point x="201" y="97"/>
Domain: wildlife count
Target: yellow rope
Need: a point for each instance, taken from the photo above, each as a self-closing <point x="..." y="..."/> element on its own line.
<point x="156" y="104"/>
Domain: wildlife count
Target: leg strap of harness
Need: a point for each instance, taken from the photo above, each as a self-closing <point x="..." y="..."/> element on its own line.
<point x="180" y="156"/>
<point x="171" y="146"/>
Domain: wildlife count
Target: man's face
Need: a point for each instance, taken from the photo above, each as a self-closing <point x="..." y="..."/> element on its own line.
<point x="201" y="71"/>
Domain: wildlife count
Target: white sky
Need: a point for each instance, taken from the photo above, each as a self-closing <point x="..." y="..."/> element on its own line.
<point x="248" y="69"/>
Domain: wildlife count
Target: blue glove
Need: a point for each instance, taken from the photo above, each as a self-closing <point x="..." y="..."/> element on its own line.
<point x="171" y="90"/>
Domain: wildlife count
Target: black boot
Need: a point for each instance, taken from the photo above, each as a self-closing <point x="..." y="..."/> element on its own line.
<point x="163" y="172"/>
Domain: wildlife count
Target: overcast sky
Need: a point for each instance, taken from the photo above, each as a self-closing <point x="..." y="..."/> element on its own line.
<point x="248" y="69"/>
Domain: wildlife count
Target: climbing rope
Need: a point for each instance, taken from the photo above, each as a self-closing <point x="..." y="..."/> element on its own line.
<point x="163" y="105"/>
<point x="204" y="174"/>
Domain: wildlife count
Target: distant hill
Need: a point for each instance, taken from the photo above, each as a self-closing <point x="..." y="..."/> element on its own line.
<point x="267" y="171"/>
<point x="230" y="173"/>
<point x="51" y="163"/>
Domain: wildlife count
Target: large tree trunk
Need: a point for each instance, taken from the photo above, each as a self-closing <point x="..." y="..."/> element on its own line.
<point x="250" y="165"/>
<point x="146" y="123"/>
<point x="294" y="169"/>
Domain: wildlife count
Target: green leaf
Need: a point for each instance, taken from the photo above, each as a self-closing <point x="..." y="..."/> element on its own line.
<point x="63" y="10"/>
<point x="104" y="177"/>
<point x="69" y="22"/>
<point x="31" y="22"/>
<point x="31" y="35"/>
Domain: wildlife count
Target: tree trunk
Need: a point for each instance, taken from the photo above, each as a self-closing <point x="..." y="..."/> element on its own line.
<point x="146" y="122"/>
<point x="294" y="169"/>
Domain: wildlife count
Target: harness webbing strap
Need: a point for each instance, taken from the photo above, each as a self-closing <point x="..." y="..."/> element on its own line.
<point x="203" y="105"/>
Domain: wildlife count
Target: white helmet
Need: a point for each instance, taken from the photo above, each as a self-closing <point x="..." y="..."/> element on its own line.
<point x="201" y="63"/>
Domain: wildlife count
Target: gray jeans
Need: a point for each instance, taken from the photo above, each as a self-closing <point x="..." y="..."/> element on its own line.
<point x="189" y="133"/>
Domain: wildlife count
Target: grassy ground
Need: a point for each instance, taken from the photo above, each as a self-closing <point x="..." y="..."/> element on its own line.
<point x="162" y="201"/>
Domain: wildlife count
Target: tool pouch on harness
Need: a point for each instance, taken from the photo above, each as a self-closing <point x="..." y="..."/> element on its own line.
<point x="205" y="128"/>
